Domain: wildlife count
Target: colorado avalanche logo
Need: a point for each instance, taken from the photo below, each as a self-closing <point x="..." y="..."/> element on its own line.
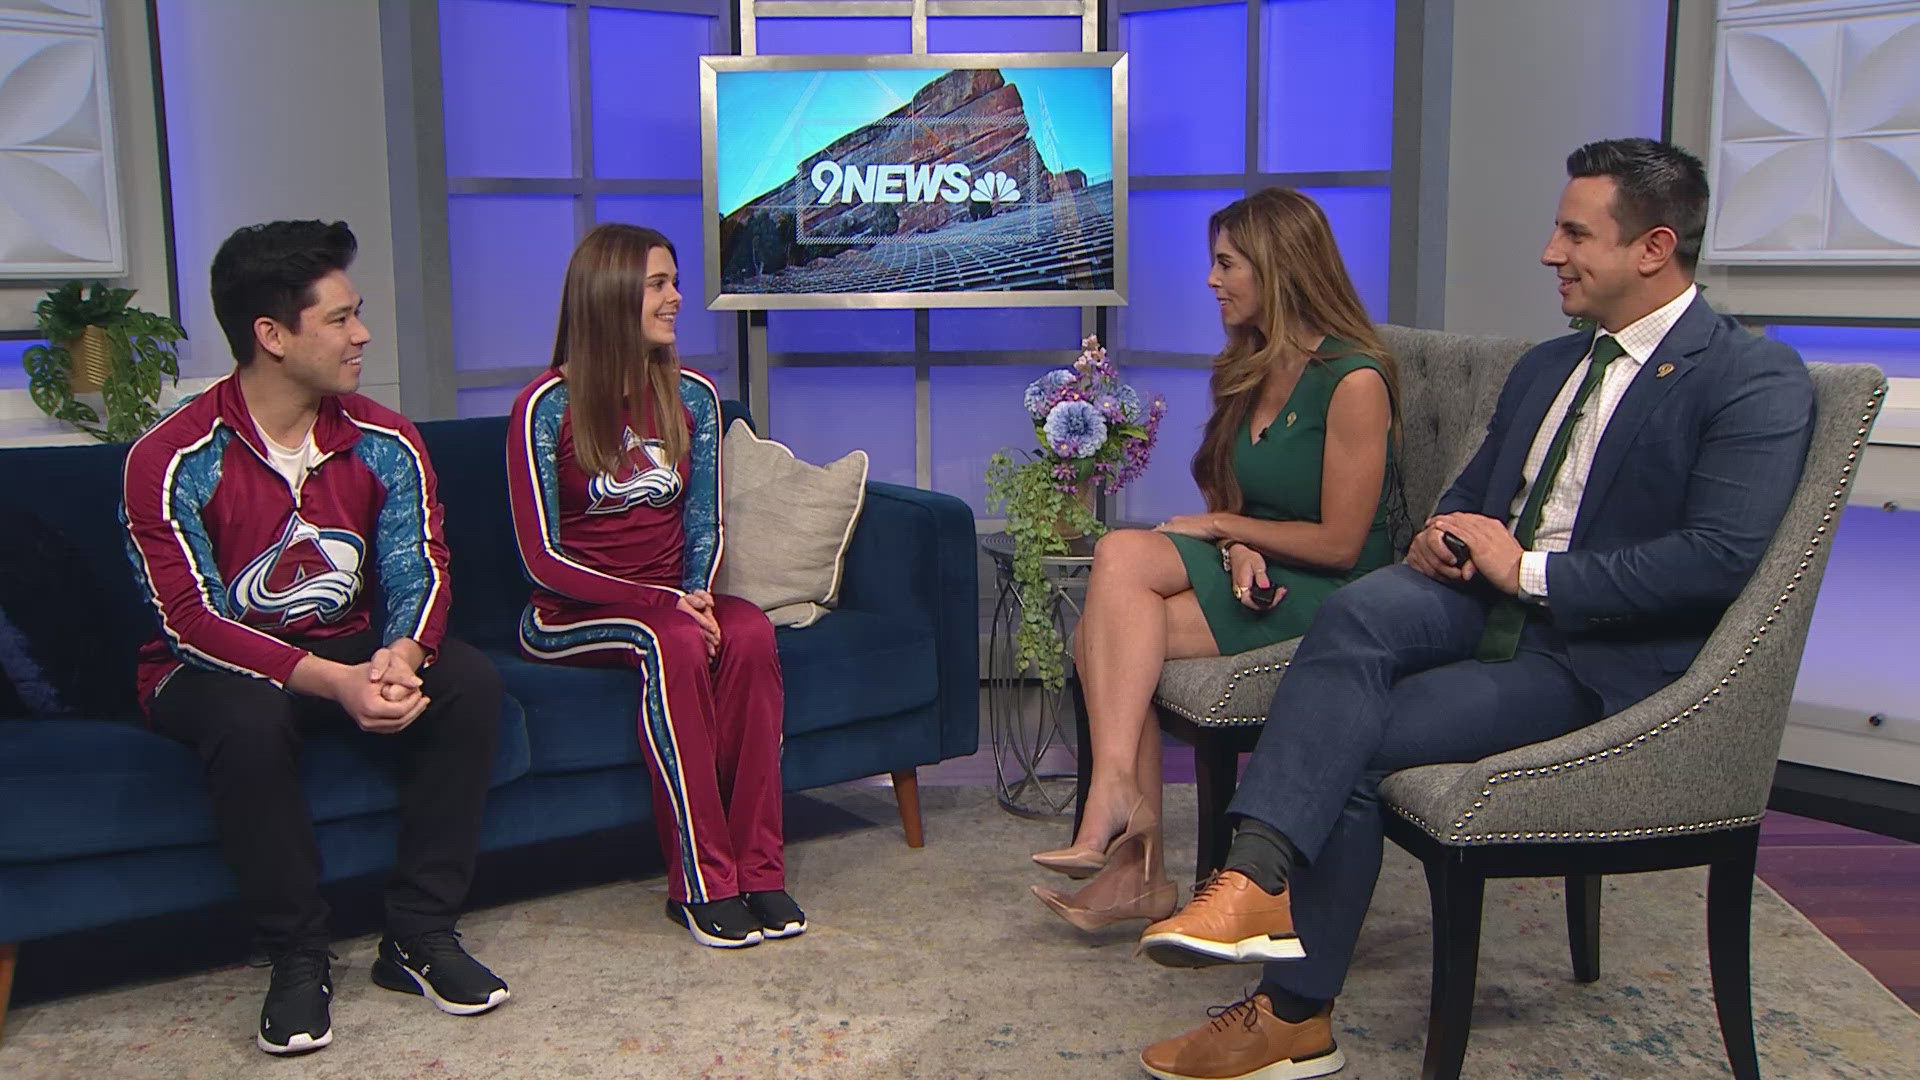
<point x="311" y="571"/>
<point x="655" y="486"/>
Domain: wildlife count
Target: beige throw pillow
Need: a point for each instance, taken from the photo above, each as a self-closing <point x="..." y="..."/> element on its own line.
<point x="787" y="526"/>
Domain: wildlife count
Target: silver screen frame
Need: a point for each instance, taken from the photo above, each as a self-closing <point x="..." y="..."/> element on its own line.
<point x="711" y="66"/>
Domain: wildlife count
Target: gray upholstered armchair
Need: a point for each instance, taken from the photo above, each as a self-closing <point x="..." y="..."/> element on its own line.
<point x="1680" y="779"/>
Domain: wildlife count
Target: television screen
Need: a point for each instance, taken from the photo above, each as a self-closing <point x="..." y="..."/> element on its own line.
<point x="944" y="180"/>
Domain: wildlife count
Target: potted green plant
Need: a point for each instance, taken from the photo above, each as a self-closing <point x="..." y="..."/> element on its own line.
<point x="1095" y="434"/>
<point x="97" y="342"/>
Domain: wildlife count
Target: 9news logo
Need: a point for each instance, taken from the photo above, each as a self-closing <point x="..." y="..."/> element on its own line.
<point x="910" y="184"/>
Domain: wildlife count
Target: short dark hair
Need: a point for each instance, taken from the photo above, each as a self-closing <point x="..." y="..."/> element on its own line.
<point x="270" y="270"/>
<point x="1658" y="184"/>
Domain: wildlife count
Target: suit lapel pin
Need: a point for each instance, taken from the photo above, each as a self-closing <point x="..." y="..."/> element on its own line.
<point x="1291" y="417"/>
<point x="1664" y="371"/>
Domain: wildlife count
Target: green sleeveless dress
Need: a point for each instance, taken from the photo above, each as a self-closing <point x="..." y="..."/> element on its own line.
<point x="1280" y="481"/>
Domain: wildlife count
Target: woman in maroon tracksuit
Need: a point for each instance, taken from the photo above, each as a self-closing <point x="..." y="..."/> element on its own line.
<point x="613" y="457"/>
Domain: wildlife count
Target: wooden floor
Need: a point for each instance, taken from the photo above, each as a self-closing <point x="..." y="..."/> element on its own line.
<point x="1861" y="889"/>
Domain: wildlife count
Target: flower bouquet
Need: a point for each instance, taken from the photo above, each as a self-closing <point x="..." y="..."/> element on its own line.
<point x="1096" y="435"/>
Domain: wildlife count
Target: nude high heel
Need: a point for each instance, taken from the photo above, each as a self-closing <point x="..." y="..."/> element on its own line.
<point x="1082" y="861"/>
<point x="1125" y="889"/>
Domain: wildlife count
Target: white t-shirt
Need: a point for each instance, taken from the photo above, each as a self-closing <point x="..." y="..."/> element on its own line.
<point x="294" y="464"/>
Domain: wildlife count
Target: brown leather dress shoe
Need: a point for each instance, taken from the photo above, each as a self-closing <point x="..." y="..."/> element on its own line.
<point x="1230" y="920"/>
<point x="1248" y="1042"/>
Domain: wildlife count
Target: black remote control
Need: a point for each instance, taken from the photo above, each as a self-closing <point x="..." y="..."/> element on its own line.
<point x="1264" y="595"/>
<point x="1457" y="546"/>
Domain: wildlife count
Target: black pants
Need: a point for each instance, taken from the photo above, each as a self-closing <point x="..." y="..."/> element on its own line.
<point x="249" y="735"/>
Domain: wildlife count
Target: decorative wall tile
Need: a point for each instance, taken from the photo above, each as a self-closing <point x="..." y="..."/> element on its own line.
<point x="1816" y="133"/>
<point x="59" y="193"/>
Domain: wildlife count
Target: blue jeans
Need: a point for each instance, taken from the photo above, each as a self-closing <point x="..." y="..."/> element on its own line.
<point x="1385" y="680"/>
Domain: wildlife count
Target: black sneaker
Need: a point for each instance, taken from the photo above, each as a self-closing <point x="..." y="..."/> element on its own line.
<point x="297" y="1016"/>
<point x="435" y="965"/>
<point x="723" y="924"/>
<point x="777" y="914"/>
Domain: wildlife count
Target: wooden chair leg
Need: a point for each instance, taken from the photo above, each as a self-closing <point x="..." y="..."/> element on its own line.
<point x="1583" y="925"/>
<point x="8" y="954"/>
<point x="1729" y="928"/>
<point x="1216" y="773"/>
<point x="906" y="792"/>
<point x="1456" y="894"/>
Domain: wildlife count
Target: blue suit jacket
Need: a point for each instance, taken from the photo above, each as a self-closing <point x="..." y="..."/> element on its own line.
<point x="1691" y="477"/>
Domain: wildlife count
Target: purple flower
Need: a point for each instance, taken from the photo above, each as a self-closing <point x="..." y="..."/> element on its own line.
<point x="1043" y="393"/>
<point x="1111" y="407"/>
<point x="1075" y="429"/>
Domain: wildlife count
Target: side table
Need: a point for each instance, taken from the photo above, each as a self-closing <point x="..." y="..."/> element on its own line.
<point x="1030" y="728"/>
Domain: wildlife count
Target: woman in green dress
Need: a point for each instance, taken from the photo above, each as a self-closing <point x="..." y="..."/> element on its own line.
<point x="1293" y="468"/>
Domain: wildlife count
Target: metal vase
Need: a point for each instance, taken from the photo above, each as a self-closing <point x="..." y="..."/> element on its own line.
<point x="92" y="355"/>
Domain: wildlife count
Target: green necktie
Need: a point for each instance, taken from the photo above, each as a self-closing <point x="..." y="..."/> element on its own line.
<point x="1501" y="638"/>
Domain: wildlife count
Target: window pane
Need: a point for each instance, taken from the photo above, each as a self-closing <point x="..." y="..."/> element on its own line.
<point x="508" y="255"/>
<point x="974" y="412"/>
<point x="646" y="92"/>
<point x="1187" y="100"/>
<point x="975" y="34"/>
<point x="1171" y="309"/>
<point x="839" y="331"/>
<point x="1328" y="67"/>
<point x="1895" y="349"/>
<point x="800" y="37"/>
<point x="1167" y="486"/>
<point x="1362" y="226"/>
<point x="822" y="413"/>
<point x="503" y="71"/>
<point x="983" y="329"/>
<point x="678" y="216"/>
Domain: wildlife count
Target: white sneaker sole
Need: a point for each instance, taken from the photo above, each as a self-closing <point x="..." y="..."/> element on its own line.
<point x="454" y="1007"/>
<point x="1183" y="950"/>
<point x="299" y="1044"/>
<point x="792" y="929"/>
<point x="1324" y="1065"/>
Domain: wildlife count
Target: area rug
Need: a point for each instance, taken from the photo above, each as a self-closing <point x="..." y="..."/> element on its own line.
<point x="937" y="963"/>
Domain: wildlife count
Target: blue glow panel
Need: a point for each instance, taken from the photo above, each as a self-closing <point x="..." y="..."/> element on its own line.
<point x="1167" y="486"/>
<point x="826" y="37"/>
<point x="508" y="256"/>
<point x="1860" y="647"/>
<point x="839" y="331"/>
<point x="12" y="375"/>
<point x="973" y="34"/>
<point x="1171" y="309"/>
<point x="1187" y="97"/>
<point x="812" y="409"/>
<point x="983" y="329"/>
<point x="678" y="216"/>
<point x="503" y="71"/>
<point x="1329" y="85"/>
<point x="1895" y="349"/>
<point x="1362" y="226"/>
<point x="975" y="411"/>
<point x="484" y="401"/>
<point x="646" y="92"/>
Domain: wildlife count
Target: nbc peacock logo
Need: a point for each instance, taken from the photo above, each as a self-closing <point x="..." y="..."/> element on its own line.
<point x="996" y="187"/>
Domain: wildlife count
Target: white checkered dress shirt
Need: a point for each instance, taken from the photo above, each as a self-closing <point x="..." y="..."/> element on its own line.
<point x="1563" y="502"/>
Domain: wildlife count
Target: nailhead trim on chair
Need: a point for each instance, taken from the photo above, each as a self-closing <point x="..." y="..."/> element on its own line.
<point x="1214" y="720"/>
<point x="1458" y="836"/>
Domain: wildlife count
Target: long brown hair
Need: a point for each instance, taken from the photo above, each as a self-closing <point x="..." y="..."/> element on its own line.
<point x="608" y="361"/>
<point x="1303" y="289"/>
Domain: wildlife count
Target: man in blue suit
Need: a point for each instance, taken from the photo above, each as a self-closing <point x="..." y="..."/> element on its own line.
<point x="1631" y="479"/>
